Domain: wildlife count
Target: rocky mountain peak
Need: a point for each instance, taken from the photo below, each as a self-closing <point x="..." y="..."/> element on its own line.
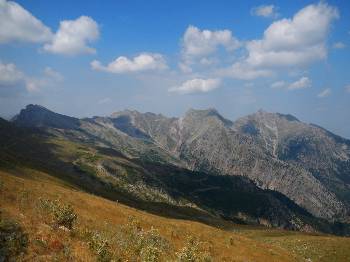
<point x="262" y="114"/>
<point x="39" y="116"/>
<point x="204" y="114"/>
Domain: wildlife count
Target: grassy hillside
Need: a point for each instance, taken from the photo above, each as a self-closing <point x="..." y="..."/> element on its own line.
<point x="105" y="229"/>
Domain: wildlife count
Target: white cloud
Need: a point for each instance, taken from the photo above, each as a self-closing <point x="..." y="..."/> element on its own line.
<point x="142" y="62"/>
<point x="17" y="24"/>
<point x="294" y="42"/>
<point x="48" y="78"/>
<point x="73" y="37"/>
<point x="324" y="93"/>
<point x="198" y="44"/>
<point x="303" y="82"/>
<point x="197" y="85"/>
<point x="51" y="73"/>
<point x="9" y="75"/>
<point x="287" y="44"/>
<point x="202" y="43"/>
<point x="33" y="84"/>
<point x="184" y="67"/>
<point x="244" y="71"/>
<point x="265" y="11"/>
<point x="339" y="45"/>
<point x="278" y="84"/>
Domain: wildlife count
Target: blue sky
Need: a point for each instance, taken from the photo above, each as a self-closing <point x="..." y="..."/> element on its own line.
<point x="86" y="58"/>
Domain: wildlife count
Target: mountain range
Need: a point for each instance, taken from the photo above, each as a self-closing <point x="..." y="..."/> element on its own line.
<point x="266" y="168"/>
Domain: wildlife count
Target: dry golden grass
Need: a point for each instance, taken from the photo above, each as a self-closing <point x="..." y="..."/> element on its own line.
<point x="22" y="188"/>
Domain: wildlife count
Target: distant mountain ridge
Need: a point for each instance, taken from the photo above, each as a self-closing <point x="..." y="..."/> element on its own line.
<point x="306" y="163"/>
<point x="39" y="116"/>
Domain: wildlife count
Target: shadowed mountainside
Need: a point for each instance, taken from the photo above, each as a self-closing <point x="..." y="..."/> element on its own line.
<point x="151" y="158"/>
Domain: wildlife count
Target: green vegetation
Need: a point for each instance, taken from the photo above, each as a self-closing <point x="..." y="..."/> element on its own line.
<point x="61" y="214"/>
<point x="133" y="240"/>
<point x="192" y="252"/>
<point x="127" y="242"/>
<point x="99" y="244"/>
<point x="13" y="241"/>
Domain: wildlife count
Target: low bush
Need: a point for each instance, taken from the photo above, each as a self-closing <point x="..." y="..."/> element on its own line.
<point x="192" y="252"/>
<point x="99" y="244"/>
<point x="148" y="245"/>
<point x="13" y="241"/>
<point x="62" y="214"/>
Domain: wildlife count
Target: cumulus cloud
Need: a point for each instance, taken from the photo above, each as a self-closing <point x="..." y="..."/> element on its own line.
<point x="265" y="11"/>
<point x="324" y="93"/>
<point x="198" y="44"/>
<point x="244" y="71"/>
<point x="287" y="43"/>
<point x="202" y="43"/>
<point x="197" y="85"/>
<point x="294" y="42"/>
<point x="9" y="75"/>
<point x="339" y="45"/>
<point x="303" y="82"/>
<point x="142" y="62"/>
<point x="17" y="24"/>
<point x="73" y="37"/>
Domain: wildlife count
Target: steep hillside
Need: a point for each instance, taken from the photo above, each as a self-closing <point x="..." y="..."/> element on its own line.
<point x="151" y="185"/>
<point x="325" y="155"/>
<point x="257" y="147"/>
<point x="103" y="227"/>
<point x="34" y="115"/>
<point x="142" y="156"/>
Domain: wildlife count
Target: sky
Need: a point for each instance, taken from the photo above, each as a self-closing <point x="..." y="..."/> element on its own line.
<point x="87" y="58"/>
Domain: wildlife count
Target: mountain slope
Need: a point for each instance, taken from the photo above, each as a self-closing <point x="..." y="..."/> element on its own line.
<point x="257" y="148"/>
<point x="150" y="185"/>
<point x="22" y="189"/>
<point x="323" y="154"/>
<point x="34" y="115"/>
<point x="161" y="151"/>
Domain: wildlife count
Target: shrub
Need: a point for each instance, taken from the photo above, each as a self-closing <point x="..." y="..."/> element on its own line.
<point x="129" y="243"/>
<point x="192" y="252"/>
<point x="153" y="246"/>
<point x="62" y="214"/>
<point x="148" y="245"/>
<point x="13" y="241"/>
<point x="99" y="244"/>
